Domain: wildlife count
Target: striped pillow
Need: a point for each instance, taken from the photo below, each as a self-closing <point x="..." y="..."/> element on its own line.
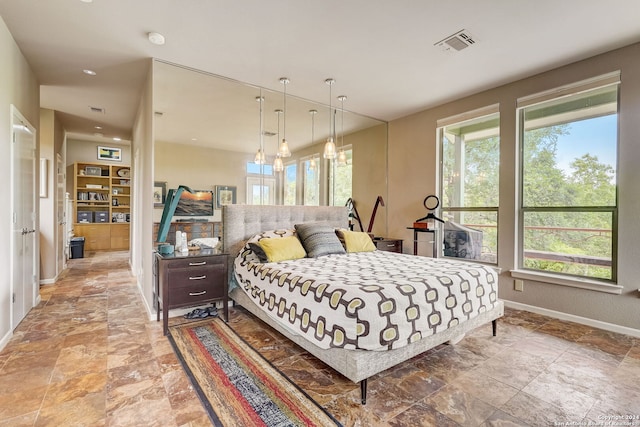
<point x="319" y="239"/>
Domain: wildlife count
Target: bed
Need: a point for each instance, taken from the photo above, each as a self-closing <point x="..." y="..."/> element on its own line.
<point x="344" y="346"/>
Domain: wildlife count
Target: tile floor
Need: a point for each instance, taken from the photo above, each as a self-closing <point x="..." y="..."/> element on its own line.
<point x="89" y="356"/>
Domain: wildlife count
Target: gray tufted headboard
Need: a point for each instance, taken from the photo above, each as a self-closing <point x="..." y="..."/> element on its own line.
<point x="241" y="222"/>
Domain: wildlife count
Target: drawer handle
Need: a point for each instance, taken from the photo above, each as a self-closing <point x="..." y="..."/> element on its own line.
<point x="198" y="263"/>
<point x="195" y="294"/>
<point x="391" y="245"/>
<point x="197" y="277"/>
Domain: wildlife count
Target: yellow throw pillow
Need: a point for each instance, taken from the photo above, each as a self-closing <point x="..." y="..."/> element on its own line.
<point x="357" y="241"/>
<point x="282" y="249"/>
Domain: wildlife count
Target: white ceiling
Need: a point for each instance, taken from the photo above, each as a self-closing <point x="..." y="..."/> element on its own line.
<point x="381" y="53"/>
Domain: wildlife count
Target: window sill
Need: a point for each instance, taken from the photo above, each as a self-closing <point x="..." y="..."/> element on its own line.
<point x="574" y="282"/>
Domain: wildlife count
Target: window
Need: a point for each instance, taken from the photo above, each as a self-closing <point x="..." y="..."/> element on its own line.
<point x="311" y="181"/>
<point x="261" y="185"/>
<point x="568" y="198"/>
<point x="255" y="169"/>
<point x="290" y="181"/>
<point x="340" y="180"/>
<point x="470" y="163"/>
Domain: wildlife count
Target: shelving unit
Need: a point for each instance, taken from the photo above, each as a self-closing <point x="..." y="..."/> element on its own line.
<point x="102" y="204"/>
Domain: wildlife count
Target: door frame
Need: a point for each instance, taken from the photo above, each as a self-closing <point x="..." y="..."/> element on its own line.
<point x="33" y="294"/>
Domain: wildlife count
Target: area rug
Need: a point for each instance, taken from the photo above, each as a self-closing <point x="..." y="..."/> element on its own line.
<point x="237" y="386"/>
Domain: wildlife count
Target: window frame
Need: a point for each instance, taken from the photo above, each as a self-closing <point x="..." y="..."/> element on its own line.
<point x="441" y="125"/>
<point x="565" y="279"/>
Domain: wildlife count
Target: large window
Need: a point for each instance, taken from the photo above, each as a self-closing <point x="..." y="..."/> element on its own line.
<point x="311" y="181"/>
<point x="470" y="162"/>
<point x="340" y="180"/>
<point x="568" y="198"/>
<point x="261" y="185"/>
<point x="289" y="183"/>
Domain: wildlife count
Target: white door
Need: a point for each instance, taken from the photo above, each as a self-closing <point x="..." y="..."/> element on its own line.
<point x="23" y="207"/>
<point x="261" y="191"/>
<point x="61" y="217"/>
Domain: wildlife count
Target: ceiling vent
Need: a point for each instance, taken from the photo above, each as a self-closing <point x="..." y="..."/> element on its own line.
<point x="456" y="42"/>
<point x="268" y="133"/>
<point x="97" y="110"/>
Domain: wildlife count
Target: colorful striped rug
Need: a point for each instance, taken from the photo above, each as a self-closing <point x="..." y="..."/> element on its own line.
<point x="237" y="386"/>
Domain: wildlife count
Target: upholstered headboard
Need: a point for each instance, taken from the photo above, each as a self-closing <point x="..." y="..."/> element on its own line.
<point x="241" y="222"/>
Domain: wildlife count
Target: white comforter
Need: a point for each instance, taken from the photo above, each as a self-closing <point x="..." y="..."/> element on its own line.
<point x="367" y="300"/>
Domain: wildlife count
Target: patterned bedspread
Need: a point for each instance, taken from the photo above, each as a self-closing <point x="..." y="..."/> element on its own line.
<point x="367" y="300"/>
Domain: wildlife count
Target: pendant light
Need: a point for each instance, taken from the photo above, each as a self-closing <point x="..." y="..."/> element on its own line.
<point x="260" y="158"/>
<point x="283" y="149"/>
<point x="278" y="166"/>
<point x="330" y="146"/>
<point x="312" y="162"/>
<point x="342" y="156"/>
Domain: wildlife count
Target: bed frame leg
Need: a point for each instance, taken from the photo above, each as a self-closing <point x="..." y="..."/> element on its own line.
<point x="494" y="324"/>
<point x="363" y="391"/>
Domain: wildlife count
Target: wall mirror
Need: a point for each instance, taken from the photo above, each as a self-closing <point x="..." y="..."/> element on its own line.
<point x="207" y="132"/>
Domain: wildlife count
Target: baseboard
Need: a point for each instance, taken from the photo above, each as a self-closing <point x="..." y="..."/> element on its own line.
<point x="5" y="340"/>
<point x="611" y="327"/>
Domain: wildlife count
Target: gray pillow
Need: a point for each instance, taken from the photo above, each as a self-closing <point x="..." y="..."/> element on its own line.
<point x="319" y="239"/>
<point x="257" y="249"/>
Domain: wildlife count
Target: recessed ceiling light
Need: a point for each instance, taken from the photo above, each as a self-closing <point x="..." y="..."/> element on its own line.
<point x="116" y="138"/>
<point x="98" y="127"/>
<point x="89" y="72"/>
<point x="156" y="38"/>
<point x="86" y="1"/>
<point x="194" y="139"/>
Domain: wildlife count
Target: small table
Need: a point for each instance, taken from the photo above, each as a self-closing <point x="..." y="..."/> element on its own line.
<point x="193" y="278"/>
<point x="415" y="239"/>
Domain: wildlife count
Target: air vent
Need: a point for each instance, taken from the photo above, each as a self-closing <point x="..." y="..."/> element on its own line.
<point x="267" y="133"/>
<point x="456" y="42"/>
<point x="97" y="110"/>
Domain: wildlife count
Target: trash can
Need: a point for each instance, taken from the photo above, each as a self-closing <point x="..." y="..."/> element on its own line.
<point x="77" y="247"/>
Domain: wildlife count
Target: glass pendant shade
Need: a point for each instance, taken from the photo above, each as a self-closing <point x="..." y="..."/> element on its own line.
<point x="259" y="159"/>
<point x="283" y="149"/>
<point x="342" y="158"/>
<point x="330" y="149"/>
<point x="278" y="166"/>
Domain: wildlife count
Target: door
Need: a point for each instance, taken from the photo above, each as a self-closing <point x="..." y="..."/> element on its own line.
<point x="23" y="207"/>
<point x="261" y="191"/>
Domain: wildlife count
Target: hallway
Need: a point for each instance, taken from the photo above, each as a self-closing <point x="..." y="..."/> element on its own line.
<point x="88" y="355"/>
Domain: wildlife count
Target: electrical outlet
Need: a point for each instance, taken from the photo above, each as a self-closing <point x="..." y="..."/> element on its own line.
<point x="518" y="285"/>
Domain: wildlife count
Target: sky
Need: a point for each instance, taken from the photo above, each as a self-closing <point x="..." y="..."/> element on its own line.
<point x="589" y="136"/>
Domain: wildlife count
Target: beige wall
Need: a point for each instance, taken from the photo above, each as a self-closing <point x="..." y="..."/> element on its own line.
<point x="18" y="86"/>
<point x="79" y="150"/>
<point x="51" y="144"/>
<point x="412" y="176"/>
<point x="141" y="255"/>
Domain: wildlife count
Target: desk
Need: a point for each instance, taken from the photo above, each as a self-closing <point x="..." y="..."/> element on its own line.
<point x="415" y="239"/>
<point x="194" y="278"/>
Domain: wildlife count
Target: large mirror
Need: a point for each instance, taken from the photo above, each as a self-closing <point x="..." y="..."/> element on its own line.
<point x="207" y="132"/>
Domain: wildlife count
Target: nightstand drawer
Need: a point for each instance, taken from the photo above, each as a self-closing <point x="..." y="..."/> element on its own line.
<point x="196" y="262"/>
<point x="195" y="293"/>
<point x="389" y="245"/>
<point x="188" y="277"/>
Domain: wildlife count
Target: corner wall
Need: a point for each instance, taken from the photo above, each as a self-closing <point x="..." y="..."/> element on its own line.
<point x="18" y="86"/>
<point x="413" y="170"/>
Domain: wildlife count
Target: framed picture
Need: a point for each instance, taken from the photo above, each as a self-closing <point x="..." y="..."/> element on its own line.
<point x="107" y="153"/>
<point x="159" y="193"/>
<point x="225" y="195"/>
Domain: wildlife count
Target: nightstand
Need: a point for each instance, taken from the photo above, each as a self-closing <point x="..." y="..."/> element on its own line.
<point x="194" y="278"/>
<point x="389" y="245"/>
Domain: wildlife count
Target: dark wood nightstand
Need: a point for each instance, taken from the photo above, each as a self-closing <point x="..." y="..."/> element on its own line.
<point x="184" y="280"/>
<point x="389" y="245"/>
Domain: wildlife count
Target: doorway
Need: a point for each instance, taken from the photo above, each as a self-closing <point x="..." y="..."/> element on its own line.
<point x="24" y="254"/>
